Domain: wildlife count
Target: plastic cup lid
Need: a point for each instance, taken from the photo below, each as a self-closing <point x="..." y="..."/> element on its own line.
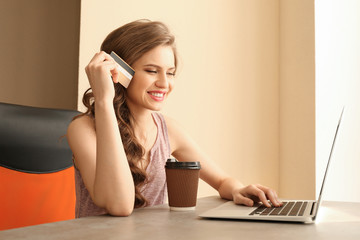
<point x="174" y="164"/>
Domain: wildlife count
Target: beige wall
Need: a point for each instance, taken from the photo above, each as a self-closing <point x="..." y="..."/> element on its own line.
<point x="39" y="52"/>
<point x="227" y="91"/>
<point x="297" y="99"/>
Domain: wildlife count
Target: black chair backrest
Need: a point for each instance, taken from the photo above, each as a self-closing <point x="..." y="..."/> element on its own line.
<point x="33" y="139"/>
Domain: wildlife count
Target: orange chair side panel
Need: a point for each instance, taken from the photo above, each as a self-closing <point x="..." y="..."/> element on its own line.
<point x="28" y="199"/>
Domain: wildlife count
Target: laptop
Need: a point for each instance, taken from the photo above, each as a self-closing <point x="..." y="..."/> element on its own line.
<point x="292" y="210"/>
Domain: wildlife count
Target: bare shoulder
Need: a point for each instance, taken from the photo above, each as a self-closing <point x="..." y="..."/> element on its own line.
<point x="80" y="126"/>
<point x="82" y="122"/>
<point x="178" y="137"/>
<point x="81" y="137"/>
<point x="173" y="126"/>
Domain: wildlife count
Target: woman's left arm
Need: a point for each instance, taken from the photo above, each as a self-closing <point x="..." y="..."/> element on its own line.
<point x="184" y="148"/>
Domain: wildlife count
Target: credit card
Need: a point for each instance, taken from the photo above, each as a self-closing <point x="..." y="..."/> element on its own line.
<point x="126" y="72"/>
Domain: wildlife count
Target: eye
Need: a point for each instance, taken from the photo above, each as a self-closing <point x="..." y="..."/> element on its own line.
<point x="151" y="71"/>
<point x="171" y="74"/>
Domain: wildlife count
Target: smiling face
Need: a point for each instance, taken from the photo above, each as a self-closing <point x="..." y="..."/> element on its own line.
<point x="153" y="80"/>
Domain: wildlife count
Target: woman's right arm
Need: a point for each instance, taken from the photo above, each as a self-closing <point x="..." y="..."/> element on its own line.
<point x="99" y="154"/>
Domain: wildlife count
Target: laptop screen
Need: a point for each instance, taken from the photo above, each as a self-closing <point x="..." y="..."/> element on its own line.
<point x="328" y="164"/>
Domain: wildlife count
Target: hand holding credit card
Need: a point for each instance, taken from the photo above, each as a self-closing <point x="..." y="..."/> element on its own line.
<point x="126" y="72"/>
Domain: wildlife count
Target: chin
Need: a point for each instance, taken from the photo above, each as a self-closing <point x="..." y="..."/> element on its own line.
<point x="155" y="108"/>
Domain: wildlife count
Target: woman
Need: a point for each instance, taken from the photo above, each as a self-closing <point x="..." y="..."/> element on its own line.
<point x="121" y="143"/>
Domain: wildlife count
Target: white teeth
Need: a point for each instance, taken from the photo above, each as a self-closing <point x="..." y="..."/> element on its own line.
<point x="157" y="94"/>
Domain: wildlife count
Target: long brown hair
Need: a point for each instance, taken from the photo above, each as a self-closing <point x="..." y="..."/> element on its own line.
<point x="130" y="42"/>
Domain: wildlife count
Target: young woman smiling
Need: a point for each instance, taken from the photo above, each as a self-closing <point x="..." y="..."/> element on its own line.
<point x="121" y="143"/>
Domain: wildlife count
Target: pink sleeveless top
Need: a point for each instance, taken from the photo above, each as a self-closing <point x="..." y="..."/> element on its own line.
<point x="154" y="190"/>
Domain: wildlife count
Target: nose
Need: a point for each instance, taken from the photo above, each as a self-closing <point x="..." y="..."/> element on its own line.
<point x="162" y="81"/>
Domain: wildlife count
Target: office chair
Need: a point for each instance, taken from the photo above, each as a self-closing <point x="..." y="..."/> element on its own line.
<point x="36" y="169"/>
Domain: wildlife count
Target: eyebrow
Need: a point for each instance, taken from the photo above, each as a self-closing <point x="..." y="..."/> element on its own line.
<point x="157" y="66"/>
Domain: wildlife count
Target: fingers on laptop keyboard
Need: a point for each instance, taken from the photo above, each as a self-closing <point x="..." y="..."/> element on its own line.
<point x="269" y="194"/>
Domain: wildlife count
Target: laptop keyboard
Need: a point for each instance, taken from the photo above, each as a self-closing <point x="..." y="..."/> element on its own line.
<point x="287" y="209"/>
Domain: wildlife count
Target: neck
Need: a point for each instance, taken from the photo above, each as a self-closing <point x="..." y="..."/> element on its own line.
<point x="142" y="121"/>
